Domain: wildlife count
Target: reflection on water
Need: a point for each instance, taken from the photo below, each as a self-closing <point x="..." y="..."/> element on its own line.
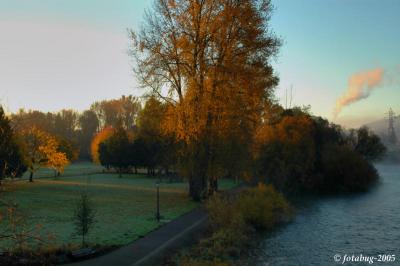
<point x="367" y="224"/>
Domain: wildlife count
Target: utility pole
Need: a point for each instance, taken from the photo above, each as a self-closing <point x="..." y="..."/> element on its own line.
<point x="391" y="131"/>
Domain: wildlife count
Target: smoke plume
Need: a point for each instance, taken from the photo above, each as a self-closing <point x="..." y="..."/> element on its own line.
<point x="360" y="87"/>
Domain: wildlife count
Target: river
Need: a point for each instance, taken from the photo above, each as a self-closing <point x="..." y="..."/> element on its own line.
<point x="367" y="224"/>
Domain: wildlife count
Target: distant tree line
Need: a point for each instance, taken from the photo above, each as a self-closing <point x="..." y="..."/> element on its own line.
<point x="146" y="147"/>
<point x="76" y="130"/>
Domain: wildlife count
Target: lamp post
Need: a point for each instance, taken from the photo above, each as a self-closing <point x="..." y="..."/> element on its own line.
<point x="158" y="201"/>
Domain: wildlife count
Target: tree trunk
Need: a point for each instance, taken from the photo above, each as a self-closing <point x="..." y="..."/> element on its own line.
<point x="119" y="172"/>
<point x="213" y="185"/>
<point x="31" y="177"/>
<point x="135" y="169"/>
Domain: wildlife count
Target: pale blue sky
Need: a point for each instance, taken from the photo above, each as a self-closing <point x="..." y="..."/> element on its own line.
<point x="67" y="53"/>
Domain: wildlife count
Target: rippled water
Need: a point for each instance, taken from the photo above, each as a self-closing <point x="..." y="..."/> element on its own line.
<point x="367" y="224"/>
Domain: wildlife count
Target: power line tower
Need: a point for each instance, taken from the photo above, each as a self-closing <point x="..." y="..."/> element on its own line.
<point x="391" y="131"/>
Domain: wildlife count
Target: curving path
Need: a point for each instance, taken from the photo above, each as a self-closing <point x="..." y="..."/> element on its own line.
<point x="155" y="246"/>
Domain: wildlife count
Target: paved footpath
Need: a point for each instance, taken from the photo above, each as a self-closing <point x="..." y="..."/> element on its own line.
<point x="152" y="248"/>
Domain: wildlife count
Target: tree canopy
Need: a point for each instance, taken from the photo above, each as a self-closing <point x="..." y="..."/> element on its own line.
<point x="12" y="163"/>
<point x="210" y="61"/>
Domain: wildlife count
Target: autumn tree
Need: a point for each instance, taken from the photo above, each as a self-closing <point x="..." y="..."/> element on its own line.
<point x="69" y="148"/>
<point x="285" y="151"/>
<point x="122" y="111"/>
<point x="41" y="150"/>
<point x="100" y="137"/>
<point x="26" y="119"/>
<point x="210" y="61"/>
<point x="57" y="161"/>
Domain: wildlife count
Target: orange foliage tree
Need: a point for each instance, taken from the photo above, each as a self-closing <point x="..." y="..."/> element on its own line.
<point x="285" y="148"/>
<point x="41" y="150"/>
<point x="100" y="137"/>
<point x="209" y="60"/>
<point x="57" y="161"/>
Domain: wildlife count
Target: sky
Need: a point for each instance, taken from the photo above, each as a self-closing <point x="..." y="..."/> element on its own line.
<point x="57" y="54"/>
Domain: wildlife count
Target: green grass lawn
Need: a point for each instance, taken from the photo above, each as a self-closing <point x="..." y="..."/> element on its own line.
<point x="125" y="206"/>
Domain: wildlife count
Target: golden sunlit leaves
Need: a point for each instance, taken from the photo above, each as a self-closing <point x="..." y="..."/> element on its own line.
<point x="290" y="129"/>
<point x="209" y="60"/>
<point x="41" y="150"/>
<point x="57" y="161"/>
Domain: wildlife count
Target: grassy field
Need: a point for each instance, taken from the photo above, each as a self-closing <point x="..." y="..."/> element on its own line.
<point x="125" y="206"/>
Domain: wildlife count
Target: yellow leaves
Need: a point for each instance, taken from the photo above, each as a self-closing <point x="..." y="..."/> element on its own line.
<point x="57" y="161"/>
<point x="99" y="138"/>
<point x="42" y="150"/>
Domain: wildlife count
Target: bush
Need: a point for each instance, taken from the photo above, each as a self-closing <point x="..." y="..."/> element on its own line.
<point x="263" y="207"/>
<point x="233" y="220"/>
<point x="345" y="170"/>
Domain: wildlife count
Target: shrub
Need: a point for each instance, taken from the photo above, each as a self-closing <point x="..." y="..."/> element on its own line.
<point x="233" y="219"/>
<point x="345" y="170"/>
<point x="263" y="207"/>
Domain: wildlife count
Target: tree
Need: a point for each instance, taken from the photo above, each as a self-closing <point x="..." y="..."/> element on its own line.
<point x="84" y="216"/>
<point x="69" y="148"/>
<point x="138" y="156"/>
<point x="209" y="60"/>
<point x="366" y="143"/>
<point x="345" y="170"/>
<point x="115" y="112"/>
<point x="40" y="150"/>
<point x="159" y="145"/>
<point x="57" y="161"/>
<point x="114" y="151"/>
<point x="89" y="125"/>
<point x="11" y="159"/>
<point x="285" y="151"/>
<point x="97" y="139"/>
<point x="26" y="119"/>
<point x="65" y="124"/>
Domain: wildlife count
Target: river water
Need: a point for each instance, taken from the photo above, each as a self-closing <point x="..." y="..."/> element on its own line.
<point x="366" y="224"/>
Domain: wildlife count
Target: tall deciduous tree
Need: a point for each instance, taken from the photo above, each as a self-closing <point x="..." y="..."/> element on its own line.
<point x="89" y="125"/>
<point x="122" y="111"/>
<point x="210" y="60"/>
<point x="161" y="147"/>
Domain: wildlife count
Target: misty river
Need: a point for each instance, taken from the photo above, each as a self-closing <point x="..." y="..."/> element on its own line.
<point x="367" y="224"/>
